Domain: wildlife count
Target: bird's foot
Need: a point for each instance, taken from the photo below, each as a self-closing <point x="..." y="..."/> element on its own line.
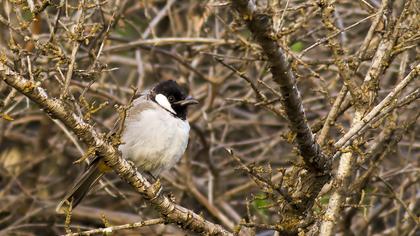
<point x="150" y="176"/>
<point x="156" y="189"/>
<point x="132" y="164"/>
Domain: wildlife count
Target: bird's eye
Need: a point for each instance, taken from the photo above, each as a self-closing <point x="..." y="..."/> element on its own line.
<point x="171" y="98"/>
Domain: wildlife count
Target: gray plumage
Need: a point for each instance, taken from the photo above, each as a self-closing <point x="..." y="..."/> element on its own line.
<point x="155" y="136"/>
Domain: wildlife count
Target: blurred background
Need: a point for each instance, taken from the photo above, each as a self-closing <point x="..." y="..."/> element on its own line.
<point x="111" y="47"/>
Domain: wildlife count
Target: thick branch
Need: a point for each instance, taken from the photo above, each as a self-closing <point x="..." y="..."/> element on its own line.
<point x="261" y="27"/>
<point x="305" y="185"/>
<point x="170" y="211"/>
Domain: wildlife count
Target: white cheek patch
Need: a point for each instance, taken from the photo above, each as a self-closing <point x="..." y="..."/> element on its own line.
<point x="163" y="102"/>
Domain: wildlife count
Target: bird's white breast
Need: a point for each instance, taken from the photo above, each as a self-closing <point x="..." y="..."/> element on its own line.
<point x="153" y="138"/>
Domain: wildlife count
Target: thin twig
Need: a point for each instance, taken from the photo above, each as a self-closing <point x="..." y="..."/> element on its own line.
<point x="112" y="229"/>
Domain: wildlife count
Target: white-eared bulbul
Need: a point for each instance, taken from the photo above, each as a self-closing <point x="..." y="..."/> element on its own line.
<point x="154" y="137"/>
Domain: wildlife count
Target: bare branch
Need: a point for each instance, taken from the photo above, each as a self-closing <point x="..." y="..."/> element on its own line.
<point x="261" y="27"/>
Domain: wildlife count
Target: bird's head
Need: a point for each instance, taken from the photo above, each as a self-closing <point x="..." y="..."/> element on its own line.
<point x="170" y="96"/>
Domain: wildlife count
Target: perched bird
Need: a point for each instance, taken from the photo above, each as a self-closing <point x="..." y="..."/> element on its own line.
<point x="154" y="136"/>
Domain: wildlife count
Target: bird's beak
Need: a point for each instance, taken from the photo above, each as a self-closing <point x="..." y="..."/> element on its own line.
<point x="187" y="101"/>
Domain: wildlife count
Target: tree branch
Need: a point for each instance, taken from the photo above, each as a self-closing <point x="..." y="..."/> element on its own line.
<point x="261" y="27"/>
<point x="305" y="185"/>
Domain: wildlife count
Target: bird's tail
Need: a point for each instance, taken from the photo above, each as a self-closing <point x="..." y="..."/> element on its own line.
<point x="82" y="187"/>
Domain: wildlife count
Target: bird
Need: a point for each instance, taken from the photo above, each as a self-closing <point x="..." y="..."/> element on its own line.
<point x="154" y="137"/>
